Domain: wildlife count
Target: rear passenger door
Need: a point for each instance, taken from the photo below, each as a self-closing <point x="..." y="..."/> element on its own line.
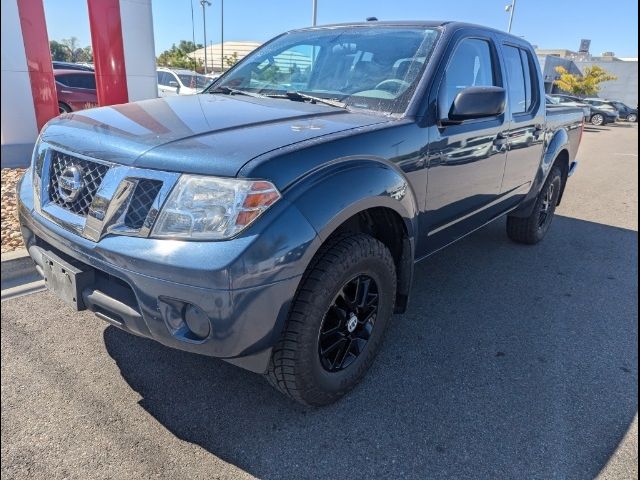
<point x="526" y="119"/>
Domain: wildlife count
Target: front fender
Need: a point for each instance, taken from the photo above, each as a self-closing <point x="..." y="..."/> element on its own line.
<point x="559" y="142"/>
<point x="329" y="197"/>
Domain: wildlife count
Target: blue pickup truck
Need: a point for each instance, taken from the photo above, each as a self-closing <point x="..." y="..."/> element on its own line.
<point x="274" y="220"/>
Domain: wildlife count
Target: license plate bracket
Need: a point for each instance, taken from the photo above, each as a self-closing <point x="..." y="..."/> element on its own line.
<point x="66" y="280"/>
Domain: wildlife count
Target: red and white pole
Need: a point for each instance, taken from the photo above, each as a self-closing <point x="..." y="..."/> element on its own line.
<point x="123" y="50"/>
<point x="124" y="56"/>
<point x="28" y="97"/>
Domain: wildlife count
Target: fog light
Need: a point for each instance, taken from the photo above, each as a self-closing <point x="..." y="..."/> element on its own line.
<point x="184" y="320"/>
<point x="197" y="321"/>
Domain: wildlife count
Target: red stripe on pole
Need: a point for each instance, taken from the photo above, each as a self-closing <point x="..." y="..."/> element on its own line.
<point x="36" y="48"/>
<point x="108" y="51"/>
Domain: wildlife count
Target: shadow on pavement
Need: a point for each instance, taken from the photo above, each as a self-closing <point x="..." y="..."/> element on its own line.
<point x="512" y="361"/>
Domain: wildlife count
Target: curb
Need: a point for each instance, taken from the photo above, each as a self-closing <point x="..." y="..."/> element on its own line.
<point x="16" y="264"/>
<point x="19" y="275"/>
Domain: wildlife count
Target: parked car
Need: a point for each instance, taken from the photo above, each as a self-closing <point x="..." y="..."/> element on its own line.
<point x="76" y="90"/>
<point x="553" y="102"/>
<point x="626" y="112"/>
<point x="180" y="82"/>
<point x="278" y="229"/>
<point x="57" y="65"/>
<point x="600" y="115"/>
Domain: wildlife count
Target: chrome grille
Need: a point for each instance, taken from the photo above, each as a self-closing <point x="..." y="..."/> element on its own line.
<point x="144" y="194"/>
<point x="92" y="175"/>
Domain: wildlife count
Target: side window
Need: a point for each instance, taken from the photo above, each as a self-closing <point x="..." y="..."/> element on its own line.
<point x="87" y="81"/>
<point x="69" y="80"/>
<point x="530" y="81"/>
<point x="62" y="80"/>
<point x="164" y="78"/>
<point x="171" y="77"/>
<point x="518" y="98"/>
<point x="471" y="65"/>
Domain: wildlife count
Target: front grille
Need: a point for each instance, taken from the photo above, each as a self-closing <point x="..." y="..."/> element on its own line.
<point x="92" y="176"/>
<point x="143" y="196"/>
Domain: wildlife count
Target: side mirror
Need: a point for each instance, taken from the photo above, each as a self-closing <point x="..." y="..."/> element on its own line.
<point x="478" y="102"/>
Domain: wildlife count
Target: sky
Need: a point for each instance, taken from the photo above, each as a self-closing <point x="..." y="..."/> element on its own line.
<point x="611" y="25"/>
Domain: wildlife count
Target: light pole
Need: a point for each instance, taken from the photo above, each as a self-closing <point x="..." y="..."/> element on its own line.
<point x="222" y="36"/>
<point x="511" y="9"/>
<point x="314" y="13"/>
<point x="204" y="28"/>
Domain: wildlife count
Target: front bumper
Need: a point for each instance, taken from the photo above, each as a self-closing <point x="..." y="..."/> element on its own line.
<point x="244" y="286"/>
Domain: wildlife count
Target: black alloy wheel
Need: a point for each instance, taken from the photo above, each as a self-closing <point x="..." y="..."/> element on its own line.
<point x="547" y="209"/>
<point x="348" y="324"/>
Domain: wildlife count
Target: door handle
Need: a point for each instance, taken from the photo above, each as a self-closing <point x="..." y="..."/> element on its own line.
<point x="539" y="130"/>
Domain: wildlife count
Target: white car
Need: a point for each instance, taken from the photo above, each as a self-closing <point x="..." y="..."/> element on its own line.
<point x="180" y="82"/>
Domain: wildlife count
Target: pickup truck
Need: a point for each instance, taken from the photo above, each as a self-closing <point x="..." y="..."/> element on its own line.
<point x="274" y="220"/>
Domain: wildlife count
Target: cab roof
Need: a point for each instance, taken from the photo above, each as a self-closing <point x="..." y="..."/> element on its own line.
<point x="409" y="23"/>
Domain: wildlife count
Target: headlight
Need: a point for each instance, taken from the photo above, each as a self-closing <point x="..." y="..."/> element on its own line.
<point x="210" y="208"/>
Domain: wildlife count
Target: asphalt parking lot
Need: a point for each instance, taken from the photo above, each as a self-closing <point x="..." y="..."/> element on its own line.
<point x="512" y="362"/>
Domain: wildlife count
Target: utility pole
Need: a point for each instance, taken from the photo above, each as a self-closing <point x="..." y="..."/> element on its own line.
<point x="221" y="36"/>
<point x="314" y="14"/>
<point x="511" y="9"/>
<point x="204" y="28"/>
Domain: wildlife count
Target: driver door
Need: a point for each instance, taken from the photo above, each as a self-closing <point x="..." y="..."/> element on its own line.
<point x="466" y="160"/>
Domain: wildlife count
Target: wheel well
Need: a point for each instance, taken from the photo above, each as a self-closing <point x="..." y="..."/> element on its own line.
<point x="65" y="104"/>
<point x="562" y="161"/>
<point x="387" y="226"/>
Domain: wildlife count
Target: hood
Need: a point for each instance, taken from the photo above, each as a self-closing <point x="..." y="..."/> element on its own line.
<point x="206" y="134"/>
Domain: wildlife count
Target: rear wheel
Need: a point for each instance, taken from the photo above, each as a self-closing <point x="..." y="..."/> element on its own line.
<point x="63" y="108"/>
<point x="337" y="321"/>
<point x="532" y="229"/>
<point x="597" y="119"/>
<point x="632" y="117"/>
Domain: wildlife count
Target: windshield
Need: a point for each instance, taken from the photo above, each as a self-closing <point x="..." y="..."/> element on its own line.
<point x="373" y="68"/>
<point x="194" y="81"/>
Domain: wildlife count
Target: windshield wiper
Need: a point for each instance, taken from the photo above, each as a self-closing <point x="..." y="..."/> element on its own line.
<point x="294" y="95"/>
<point x="234" y="91"/>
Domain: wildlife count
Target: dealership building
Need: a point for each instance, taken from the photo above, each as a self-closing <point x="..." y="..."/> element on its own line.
<point x="624" y="88"/>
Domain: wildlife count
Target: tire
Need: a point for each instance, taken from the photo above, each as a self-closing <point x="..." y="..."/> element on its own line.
<point x="298" y="367"/>
<point x="598" y="120"/>
<point x="63" y="108"/>
<point x="532" y="229"/>
<point x="632" y="117"/>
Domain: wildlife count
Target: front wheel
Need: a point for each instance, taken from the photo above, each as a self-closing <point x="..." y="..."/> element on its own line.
<point x="632" y="117"/>
<point x="337" y="321"/>
<point x="532" y="229"/>
<point x="597" y="119"/>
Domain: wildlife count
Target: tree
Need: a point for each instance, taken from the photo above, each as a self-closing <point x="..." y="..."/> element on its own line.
<point x="59" y="52"/>
<point x="70" y="43"/>
<point x="176" y="56"/>
<point x="188" y="46"/>
<point x="583" y="85"/>
<point x="231" y="60"/>
<point x="83" y="55"/>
